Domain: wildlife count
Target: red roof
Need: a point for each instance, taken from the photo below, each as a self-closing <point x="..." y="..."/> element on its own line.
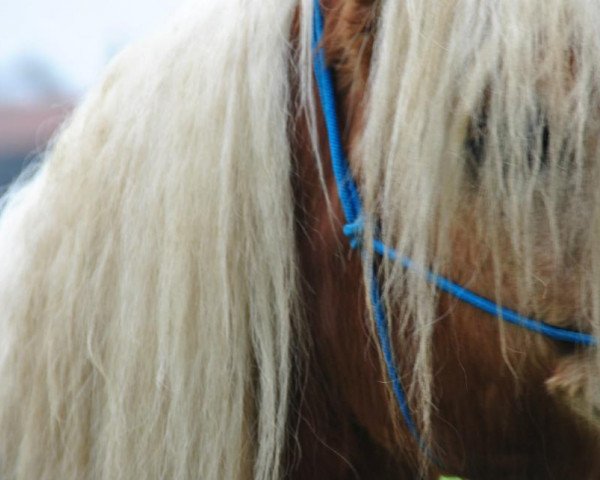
<point x="27" y="128"/>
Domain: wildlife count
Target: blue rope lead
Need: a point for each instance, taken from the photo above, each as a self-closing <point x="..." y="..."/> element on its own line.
<point x="486" y="305"/>
<point x="348" y="191"/>
<point x="354" y="230"/>
<point x="383" y="333"/>
<point x="352" y="207"/>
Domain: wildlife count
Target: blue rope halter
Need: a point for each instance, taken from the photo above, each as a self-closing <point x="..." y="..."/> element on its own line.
<point x="354" y="229"/>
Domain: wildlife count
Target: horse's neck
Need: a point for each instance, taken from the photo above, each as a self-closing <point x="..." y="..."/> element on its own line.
<point x="342" y="406"/>
<point x="343" y="424"/>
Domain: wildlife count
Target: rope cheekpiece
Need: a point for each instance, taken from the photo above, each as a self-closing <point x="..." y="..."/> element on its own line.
<point x="354" y="229"/>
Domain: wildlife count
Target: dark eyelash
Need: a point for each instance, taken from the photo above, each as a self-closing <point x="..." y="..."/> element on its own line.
<point x="543" y="149"/>
<point x="475" y="144"/>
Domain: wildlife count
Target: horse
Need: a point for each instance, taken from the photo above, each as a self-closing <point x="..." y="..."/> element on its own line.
<point x="179" y="299"/>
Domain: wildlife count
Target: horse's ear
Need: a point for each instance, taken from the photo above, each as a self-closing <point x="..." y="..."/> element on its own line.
<point x="349" y="34"/>
<point x="331" y="4"/>
<point x="350" y="18"/>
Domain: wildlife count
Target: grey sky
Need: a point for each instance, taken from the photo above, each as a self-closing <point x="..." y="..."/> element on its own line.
<point x="75" y="38"/>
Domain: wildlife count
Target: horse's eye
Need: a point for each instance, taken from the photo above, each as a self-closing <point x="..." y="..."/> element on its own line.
<point x="475" y="144"/>
<point x="538" y="143"/>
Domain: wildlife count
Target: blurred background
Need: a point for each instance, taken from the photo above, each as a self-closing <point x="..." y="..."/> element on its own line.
<point x="51" y="52"/>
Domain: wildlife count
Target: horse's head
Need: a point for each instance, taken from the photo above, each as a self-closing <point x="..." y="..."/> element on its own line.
<point x="473" y="129"/>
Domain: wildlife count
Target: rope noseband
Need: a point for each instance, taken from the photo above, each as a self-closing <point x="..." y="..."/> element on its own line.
<point x="354" y="229"/>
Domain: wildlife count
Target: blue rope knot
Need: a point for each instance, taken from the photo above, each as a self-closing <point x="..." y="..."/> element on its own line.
<point x="355" y="232"/>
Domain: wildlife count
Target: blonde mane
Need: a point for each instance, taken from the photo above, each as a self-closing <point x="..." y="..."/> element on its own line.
<point x="147" y="270"/>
